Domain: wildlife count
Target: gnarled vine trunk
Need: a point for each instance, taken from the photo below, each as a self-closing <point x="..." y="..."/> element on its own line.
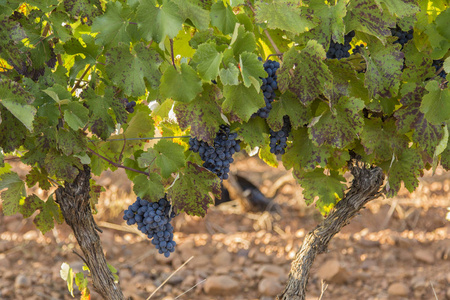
<point x="365" y="187"/>
<point x="73" y="199"/>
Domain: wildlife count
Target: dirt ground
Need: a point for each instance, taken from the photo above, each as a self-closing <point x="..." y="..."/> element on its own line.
<point x="395" y="249"/>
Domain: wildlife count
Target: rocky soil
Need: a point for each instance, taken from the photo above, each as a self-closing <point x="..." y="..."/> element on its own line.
<point x="396" y="249"/>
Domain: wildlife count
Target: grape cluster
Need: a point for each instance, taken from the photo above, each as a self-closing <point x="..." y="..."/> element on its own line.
<point x="268" y="87"/>
<point x="437" y="64"/>
<point x="51" y="63"/>
<point x="217" y="158"/>
<point x="338" y="50"/>
<point x="358" y="48"/>
<point x="278" y="139"/>
<point x="129" y="107"/>
<point x="403" y="36"/>
<point x="153" y="219"/>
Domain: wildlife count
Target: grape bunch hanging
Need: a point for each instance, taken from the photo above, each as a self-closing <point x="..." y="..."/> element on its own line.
<point x="278" y="139"/>
<point x="129" y="107"/>
<point x="338" y="50"/>
<point x="268" y="87"/>
<point x="403" y="36"/>
<point x="217" y="158"/>
<point x="153" y="219"/>
<point x="437" y="64"/>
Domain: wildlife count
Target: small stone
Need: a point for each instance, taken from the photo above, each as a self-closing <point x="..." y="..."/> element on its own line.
<point x="269" y="287"/>
<point x="7" y="292"/>
<point x="398" y="289"/>
<point x="4" y="263"/>
<point x="271" y="271"/>
<point x="332" y="271"/>
<point x="21" y="282"/>
<point x="223" y="258"/>
<point x="175" y="280"/>
<point x="31" y="235"/>
<point x="125" y="274"/>
<point x="424" y="256"/>
<point x="221" y="285"/>
<point x="200" y="261"/>
<point x="188" y="282"/>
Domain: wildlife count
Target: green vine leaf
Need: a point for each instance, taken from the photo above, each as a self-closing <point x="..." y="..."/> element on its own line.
<point x="324" y="190"/>
<point x="208" y="59"/>
<point x="340" y="125"/>
<point x="15" y="99"/>
<point x="243" y="102"/>
<point x="436" y="104"/>
<point x="14" y="194"/>
<point x="148" y="187"/>
<point x="112" y="25"/>
<point x="182" y="87"/>
<point x="128" y="70"/>
<point x="169" y="157"/>
<point x="223" y="17"/>
<point x="190" y="192"/>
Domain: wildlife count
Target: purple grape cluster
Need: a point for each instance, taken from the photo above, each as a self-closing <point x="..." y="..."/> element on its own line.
<point x="437" y="64"/>
<point x="403" y="36"/>
<point x="278" y="139"/>
<point x="129" y="107"/>
<point x="338" y="50"/>
<point x="153" y="219"/>
<point x="217" y="158"/>
<point x="358" y="48"/>
<point x="51" y="63"/>
<point x="268" y="87"/>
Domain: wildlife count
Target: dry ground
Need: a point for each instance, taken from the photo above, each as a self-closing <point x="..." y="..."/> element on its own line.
<point x="396" y="249"/>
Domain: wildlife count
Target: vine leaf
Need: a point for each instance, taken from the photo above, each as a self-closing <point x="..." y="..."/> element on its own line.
<point x="229" y="76"/>
<point x="223" y="17"/>
<point x="190" y="192"/>
<point x="149" y="187"/>
<point x="289" y="104"/>
<point x="400" y="8"/>
<point x="243" y="41"/>
<point x="268" y="157"/>
<point x="128" y="70"/>
<point x="384" y="69"/>
<point x="75" y="114"/>
<point x="208" y="59"/>
<point x="182" y="87"/>
<point x="339" y="126"/>
<point x="410" y="117"/>
<point x="382" y="139"/>
<point x="188" y="9"/>
<point x="331" y="22"/>
<point x="328" y="189"/>
<point x="303" y="154"/>
<point x="406" y="167"/>
<point x="282" y="15"/>
<point x="169" y="157"/>
<point x="49" y="212"/>
<point x="436" y="104"/>
<point x="242" y="101"/>
<point x="254" y="132"/>
<point x="202" y="114"/>
<point x="14" y="194"/>
<point x="367" y="16"/>
<point x="112" y="25"/>
<point x="102" y="124"/>
<point x="15" y="99"/>
<point x="157" y="22"/>
<point x="311" y="74"/>
<point x="64" y="167"/>
<point x="252" y="70"/>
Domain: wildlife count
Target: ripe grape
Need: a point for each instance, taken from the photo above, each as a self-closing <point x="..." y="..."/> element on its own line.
<point x="278" y="139"/>
<point x="268" y="87"/>
<point x="338" y="50"/>
<point x="437" y="64"/>
<point x="403" y="36"/>
<point x="130" y="106"/>
<point x="217" y="158"/>
<point x="153" y="219"/>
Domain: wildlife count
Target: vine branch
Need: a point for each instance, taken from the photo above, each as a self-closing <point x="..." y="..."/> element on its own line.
<point x="116" y="164"/>
<point x="77" y="84"/>
<point x="171" y="53"/>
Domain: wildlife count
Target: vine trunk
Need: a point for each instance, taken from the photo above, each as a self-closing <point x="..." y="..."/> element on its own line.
<point x="365" y="187"/>
<point x="73" y="199"/>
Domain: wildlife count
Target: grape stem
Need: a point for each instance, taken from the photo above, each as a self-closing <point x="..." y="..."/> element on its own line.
<point x="171" y="53"/>
<point x="77" y="84"/>
<point x="116" y="164"/>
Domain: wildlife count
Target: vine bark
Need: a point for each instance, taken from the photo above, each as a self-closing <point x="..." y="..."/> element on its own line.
<point x="365" y="187"/>
<point x="73" y="199"/>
